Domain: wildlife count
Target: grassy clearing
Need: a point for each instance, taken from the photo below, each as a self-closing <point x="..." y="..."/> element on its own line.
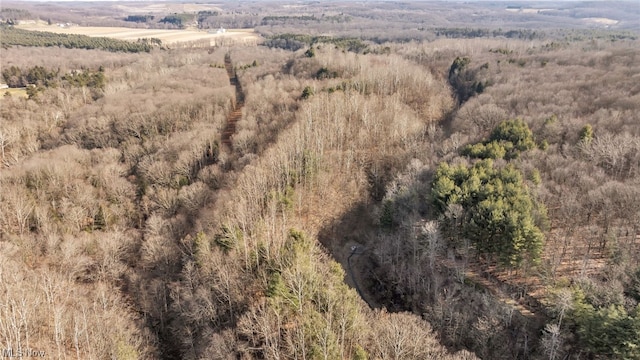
<point x="20" y="92"/>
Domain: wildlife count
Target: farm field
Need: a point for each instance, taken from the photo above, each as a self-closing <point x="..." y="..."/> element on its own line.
<point x="168" y="37"/>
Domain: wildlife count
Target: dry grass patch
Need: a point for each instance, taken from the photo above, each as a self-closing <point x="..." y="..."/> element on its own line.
<point x="20" y="92"/>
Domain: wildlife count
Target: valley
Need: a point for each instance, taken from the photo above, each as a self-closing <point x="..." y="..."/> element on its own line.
<point x="329" y="181"/>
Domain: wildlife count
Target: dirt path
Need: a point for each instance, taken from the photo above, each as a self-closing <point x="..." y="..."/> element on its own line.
<point x="356" y="277"/>
<point x="523" y="303"/>
<point x="236" y="113"/>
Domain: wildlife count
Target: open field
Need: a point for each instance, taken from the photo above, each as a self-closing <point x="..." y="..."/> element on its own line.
<point x="168" y="37"/>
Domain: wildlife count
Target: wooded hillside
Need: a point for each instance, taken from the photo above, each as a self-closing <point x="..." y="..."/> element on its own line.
<point x="324" y="197"/>
<point x="186" y="247"/>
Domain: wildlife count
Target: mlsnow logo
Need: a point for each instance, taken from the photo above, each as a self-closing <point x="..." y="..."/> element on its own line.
<point x="21" y="353"/>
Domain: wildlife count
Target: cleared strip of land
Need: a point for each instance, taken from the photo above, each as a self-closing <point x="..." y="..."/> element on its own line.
<point x="168" y="37"/>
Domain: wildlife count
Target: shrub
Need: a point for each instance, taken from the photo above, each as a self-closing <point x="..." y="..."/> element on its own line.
<point x="307" y="92"/>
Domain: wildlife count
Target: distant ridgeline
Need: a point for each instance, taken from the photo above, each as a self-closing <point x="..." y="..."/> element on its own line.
<point x="355" y="44"/>
<point x="10" y="15"/>
<point x="276" y="20"/>
<point x="527" y="34"/>
<point x="10" y="36"/>
<point x="467" y="33"/>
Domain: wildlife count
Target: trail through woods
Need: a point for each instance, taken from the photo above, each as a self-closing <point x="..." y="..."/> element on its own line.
<point x="357" y="251"/>
<point x="236" y="113"/>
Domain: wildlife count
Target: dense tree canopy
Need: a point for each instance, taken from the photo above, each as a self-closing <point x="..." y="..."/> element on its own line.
<point x="180" y="20"/>
<point x="12" y="36"/>
<point x="139" y="18"/>
<point x="298" y="41"/>
<point x="498" y="210"/>
<point x="499" y="213"/>
<point x="465" y="80"/>
<point x="610" y="331"/>
<point x="37" y="75"/>
<point x="507" y="140"/>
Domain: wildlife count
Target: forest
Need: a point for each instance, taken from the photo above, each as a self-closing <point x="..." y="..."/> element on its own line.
<point x="11" y="36"/>
<point x="456" y="194"/>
